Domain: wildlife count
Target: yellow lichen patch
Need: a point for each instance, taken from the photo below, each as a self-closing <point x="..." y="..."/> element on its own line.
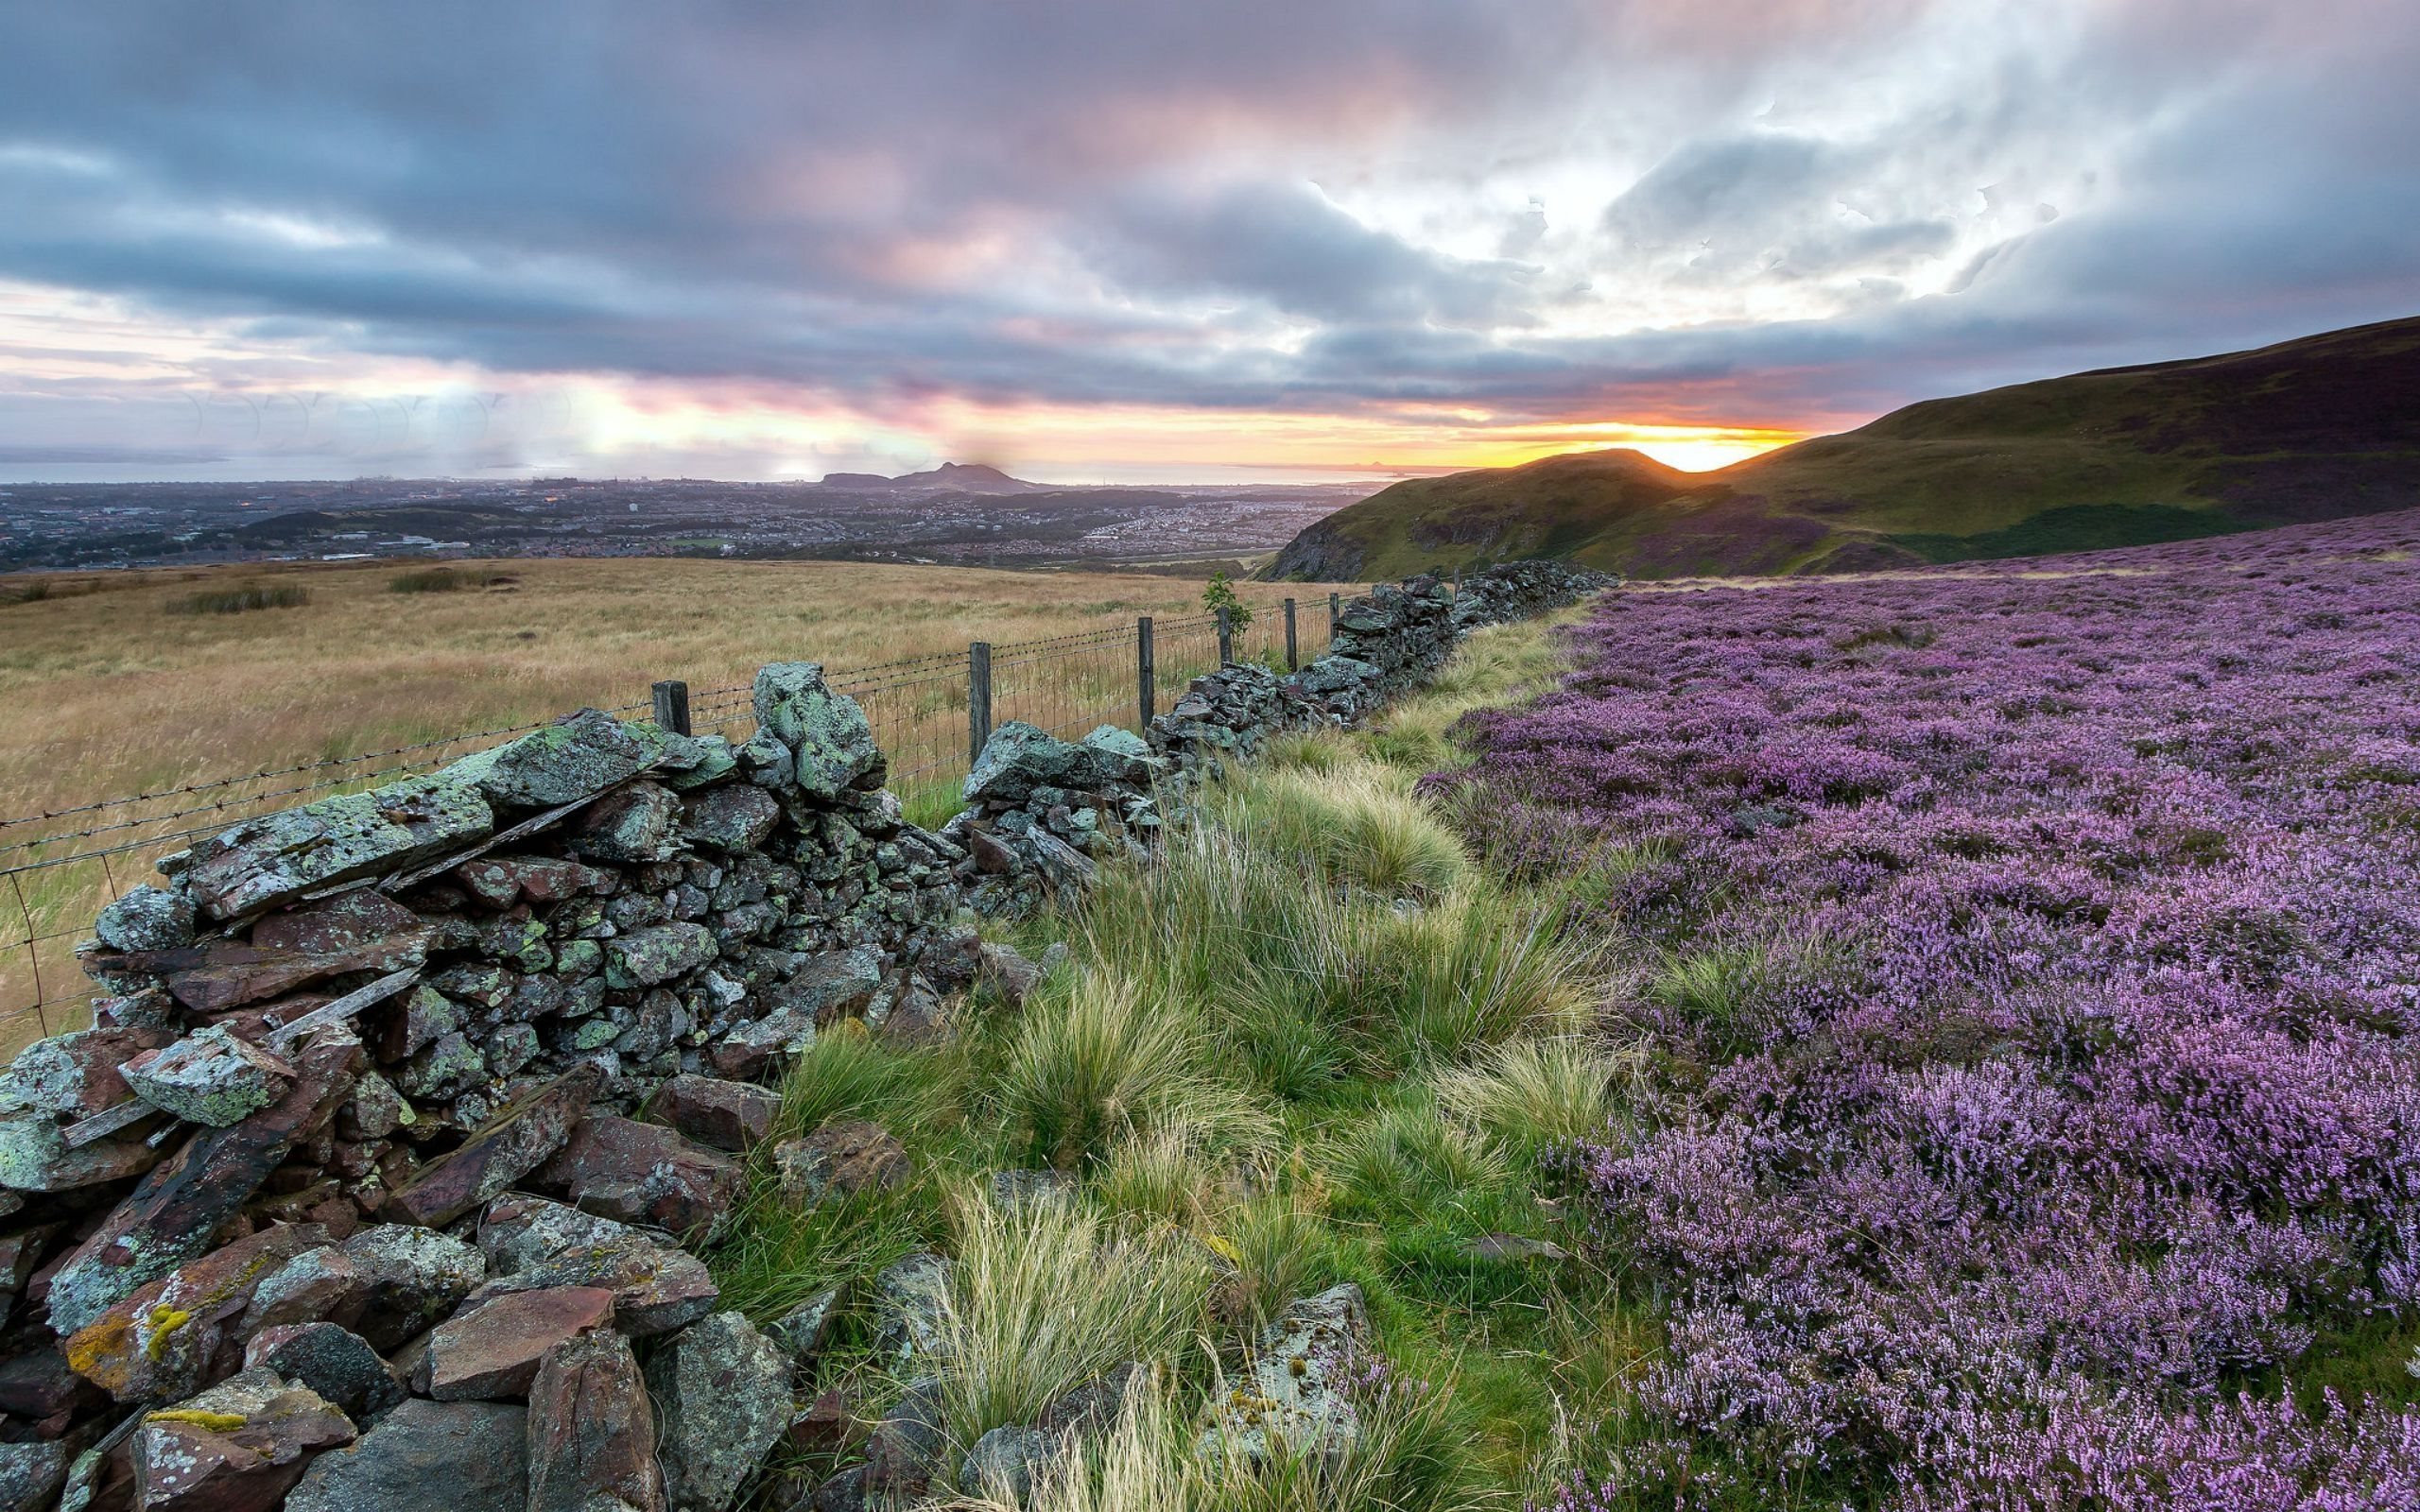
<point x="164" y="1320"/>
<point x="215" y="1422"/>
<point x="98" y="1352"/>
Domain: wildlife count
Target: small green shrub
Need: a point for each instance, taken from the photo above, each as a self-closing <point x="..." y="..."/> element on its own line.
<point x="1221" y="593"/>
<point x="239" y="600"/>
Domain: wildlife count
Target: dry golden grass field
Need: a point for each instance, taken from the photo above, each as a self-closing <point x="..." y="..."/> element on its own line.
<point x="109" y="687"/>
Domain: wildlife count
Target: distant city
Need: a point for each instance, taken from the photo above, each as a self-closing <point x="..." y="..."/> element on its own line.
<point x="961" y="516"/>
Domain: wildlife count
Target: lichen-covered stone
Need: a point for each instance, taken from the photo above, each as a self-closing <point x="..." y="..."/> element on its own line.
<point x="636" y="825"/>
<point x="274" y="859"/>
<point x="731" y="818"/>
<point x="1291" y="1394"/>
<point x="209" y="1077"/>
<point x="576" y="758"/>
<point x="31" y="1474"/>
<point x="426" y="1456"/>
<point x="411" y="1277"/>
<point x="164" y="1338"/>
<point x="691" y="761"/>
<point x="146" y="918"/>
<point x="827" y="732"/>
<point x="1019" y="758"/>
<point x="909" y="1297"/>
<point x="238" y="1447"/>
<point x="647" y="957"/>
<point x="592" y="1431"/>
<point x="334" y="1362"/>
<point x="1005" y="1462"/>
<point x="724" y="1391"/>
<point x="170" y="1215"/>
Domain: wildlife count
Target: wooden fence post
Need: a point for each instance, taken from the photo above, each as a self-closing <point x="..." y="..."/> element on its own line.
<point x="1458" y="584"/>
<point x="1335" y="613"/>
<point x="1145" y="672"/>
<point x="672" y="707"/>
<point x="1293" y="658"/>
<point x="979" y="697"/>
<point x="1226" y="639"/>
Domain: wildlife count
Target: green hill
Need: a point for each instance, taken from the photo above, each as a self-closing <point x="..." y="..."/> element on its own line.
<point x="2311" y="429"/>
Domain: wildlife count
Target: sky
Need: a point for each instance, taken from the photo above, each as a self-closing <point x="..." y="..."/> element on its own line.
<point x="1134" y="240"/>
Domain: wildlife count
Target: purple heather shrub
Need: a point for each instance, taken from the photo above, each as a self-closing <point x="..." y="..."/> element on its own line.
<point x="2100" y="1099"/>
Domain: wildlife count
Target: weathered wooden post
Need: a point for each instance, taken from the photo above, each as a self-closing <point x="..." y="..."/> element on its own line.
<point x="1293" y="658"/>
<point x="1144" y="673"/>
<point x="1226" y="639"/>
<point x="672" y="707"/>
<point x="1335" y="613"/>
<point x="979" y="697"/>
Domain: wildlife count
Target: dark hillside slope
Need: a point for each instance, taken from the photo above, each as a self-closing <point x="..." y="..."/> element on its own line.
<point x="2318" y="428"/>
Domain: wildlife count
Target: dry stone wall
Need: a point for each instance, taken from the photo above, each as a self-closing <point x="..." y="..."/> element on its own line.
<point x="404" y="1109"/>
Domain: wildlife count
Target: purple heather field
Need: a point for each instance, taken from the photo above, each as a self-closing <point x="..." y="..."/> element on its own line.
<point x="2031" y="964"/>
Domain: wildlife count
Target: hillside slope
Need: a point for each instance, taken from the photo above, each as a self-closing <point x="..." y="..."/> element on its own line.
<point x="2318" y="428"/>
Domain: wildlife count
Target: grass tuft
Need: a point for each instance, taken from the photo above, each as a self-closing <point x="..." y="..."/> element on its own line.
<point x="239" y="600"/>
<point x="1532" y="1095"/>
<point x="1047" y="1296"/>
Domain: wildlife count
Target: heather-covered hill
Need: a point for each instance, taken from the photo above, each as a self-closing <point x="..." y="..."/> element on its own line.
<point x="2324" y="427"/>
<point x="2036" y="967"/>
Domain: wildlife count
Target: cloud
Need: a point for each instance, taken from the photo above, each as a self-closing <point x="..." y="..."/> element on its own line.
<point x="1791" y="213"/>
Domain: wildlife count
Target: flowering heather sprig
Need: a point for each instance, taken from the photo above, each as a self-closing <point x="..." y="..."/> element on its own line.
<point x="2085" y="1081"/>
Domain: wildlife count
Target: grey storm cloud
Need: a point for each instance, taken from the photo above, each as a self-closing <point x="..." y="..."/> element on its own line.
<point x="1744" y="212"/>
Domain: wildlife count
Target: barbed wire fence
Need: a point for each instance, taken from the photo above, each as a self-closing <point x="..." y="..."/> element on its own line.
<point x="929" y="714"/>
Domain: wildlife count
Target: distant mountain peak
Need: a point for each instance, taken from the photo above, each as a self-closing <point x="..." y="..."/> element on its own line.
<point x="962" y="477"/>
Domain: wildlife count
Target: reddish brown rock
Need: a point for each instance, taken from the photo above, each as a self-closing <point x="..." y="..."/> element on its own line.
<point x="223" y="974"/>
<point x="348" y="922"/>
<point x="518" y="1140"/>
<point x="827" y="1425"/>
<point x="319" y="1284"/>
<point x="39" y="1388"/>
<point x="75" y="1075"/>
<point x="172" y="1213"/>
<point x="917" y="1017"/>
<point x="179" y="1333"/>
<point x="844" y="1157"/>
<point x="645" y="1174"/>
<point x="491" y="1352"/>
<point x="240" y="1447"/>
<point x="655" y="1289"/>
<point x="500" y="882"/>
<point x="728" y="1116"/>
<point x="592" y="1430"/>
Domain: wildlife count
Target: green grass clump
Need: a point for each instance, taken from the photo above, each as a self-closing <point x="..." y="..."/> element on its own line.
<point x="1362" y="826"/>
<point x="1096" y="1057"/>
<point x="1047" y="1296"/>
<point x="1530" y="1095"/>
<point x="239" y="600"/>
